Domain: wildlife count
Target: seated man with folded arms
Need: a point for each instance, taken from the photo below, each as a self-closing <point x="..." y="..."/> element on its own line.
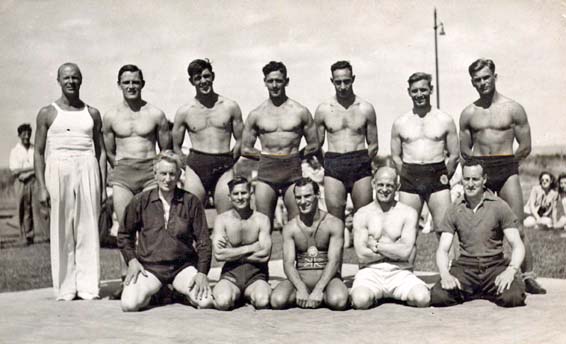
<point x="173" y="245"/>
<point x="481" y="220"/>
<point x="312" y="255"/>
<point x="242" y="240"/>
<point x="385" y="232"/>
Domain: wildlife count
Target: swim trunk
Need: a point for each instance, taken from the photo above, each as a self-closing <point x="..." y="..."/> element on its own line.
<point x="312" y="259"/>
<point x="498" y="169"/>
<point x="279" y="171"/>
<point x="166" y="273"/>
<point x="424" y="179"/>
<point x="244" y="274"/>
<point x="209" y="166"/>
<point x="387" y="279"/>
<point x="134" y="174"/>
<point x="347" y="167"/>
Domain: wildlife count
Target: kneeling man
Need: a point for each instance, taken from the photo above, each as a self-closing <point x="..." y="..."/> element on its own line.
<point x="242" y="240"/>
<point x="384" y="238"/>
<point x="173" y="245"/>
<point x="481" y="220"/>
<point x="312" y="255"/>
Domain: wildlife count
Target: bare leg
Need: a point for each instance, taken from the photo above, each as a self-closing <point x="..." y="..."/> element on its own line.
<point x="364" y="298"/>
<point x="221" y="201"/>
<point x="136" y="296"/>
<point x="335" y="197"/>
<point x="419" y="296"/>
<point x="225" y="295"/>
<point x="265" y="199"/>
<point x="362" y="193"/>
<point x="181" y="284"/>
<point x="194" y="185"/>
<point x="290" y="203"/>
<point x="336" y="295"/>
<point x="121" y="196"/>
<point x="283" y="295"/>
<point x="416" y="202"/>
<point x="438" y="202"/>
<point x="258" y="294"/>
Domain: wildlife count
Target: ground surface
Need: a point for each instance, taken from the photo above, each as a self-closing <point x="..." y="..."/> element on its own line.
<point x="34" y="317"/>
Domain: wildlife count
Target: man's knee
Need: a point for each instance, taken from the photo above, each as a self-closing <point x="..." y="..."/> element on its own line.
<point x="513" y="297"/>
<point x="361" y="298"/>
<point x="260" y="300"/>
<point x="278" y="300"/>
<point x="337" y="300"/>
<point x="130" y="302"/>
<point x="419" y="296"/>
<point x="224" y="301"/>
<point x="440" y="297"/>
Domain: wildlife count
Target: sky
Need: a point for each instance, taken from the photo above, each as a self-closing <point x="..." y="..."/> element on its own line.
<point x="385" y="41"/>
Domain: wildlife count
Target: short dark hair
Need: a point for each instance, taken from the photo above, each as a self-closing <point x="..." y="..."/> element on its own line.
<point x="237" y="181"/>
<point x="274" y="66"/>
<point x="418" y="76"/>
<point x="479" y="64"/>
<point x="474" y="162"/>
<point x="560" y="177"/>
<point x="306" y="181"/>
<point x="341" y="65"/>
<point x="197" y="66"/>
<point x="129" y="68"/>
<point x="24" y="127"/>
<point x="552" y="178"/>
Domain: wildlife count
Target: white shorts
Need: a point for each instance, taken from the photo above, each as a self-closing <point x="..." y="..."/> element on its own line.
<point x="387" y="279"/>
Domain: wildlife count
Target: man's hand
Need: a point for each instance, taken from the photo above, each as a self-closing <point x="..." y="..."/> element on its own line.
<point x="372" y="243"/>
<point x="199" y="285"/>
<point x="449" y="282"/>
<point x="302" y="298"/>
<point x="315" y="298"/>
<point x="503" y="280"/>
<point x="224" y="242"/>
<point x="134" y="269"/>
<point x="24" y="176"/>
<point x="44" y="197"/>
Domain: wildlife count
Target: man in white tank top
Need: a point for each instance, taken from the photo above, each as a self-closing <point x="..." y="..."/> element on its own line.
<point x="70" y="166"/>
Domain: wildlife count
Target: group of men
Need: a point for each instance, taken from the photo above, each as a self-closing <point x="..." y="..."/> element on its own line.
<point x="173" y="243"/>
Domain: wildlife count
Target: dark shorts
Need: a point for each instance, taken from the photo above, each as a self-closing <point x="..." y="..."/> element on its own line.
<point x="279" y="171"/>
<point x="210" y="166"/>
<point x="498" y="169"/>
<point x="347" y="167"/>
<point x="424" y="179"/>
<point x="242" y="275"/>
<point x="134" y="174"/>
<point x="166" y="273"/>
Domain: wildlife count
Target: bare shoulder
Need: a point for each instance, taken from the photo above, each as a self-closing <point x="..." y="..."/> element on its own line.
<point x="365" y="211"/>
<point x="260" y="218"/>
<point x="514" y="108"/>
<point x="401" y="119"/>
<point x="405" y="210"/>
<point x="467" y="113"/>
<point x="333" y="222"/>
<point x="290" y="227"/>
<point x="365" y="106"/>
<point x="298" y="107"/>
<point x="227" y="102"/>
<point x="444" y="118"/>
<point x="94" y="113"/>
<point x="185" y="109"/>
<point x="46" y="112"/>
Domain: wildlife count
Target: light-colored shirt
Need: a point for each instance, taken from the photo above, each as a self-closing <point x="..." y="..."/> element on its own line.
<point x="20" y="157"/>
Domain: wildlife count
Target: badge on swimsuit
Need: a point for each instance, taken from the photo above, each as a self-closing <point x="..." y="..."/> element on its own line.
<point x="312" y="251"/>
<point x="444" y="179"/>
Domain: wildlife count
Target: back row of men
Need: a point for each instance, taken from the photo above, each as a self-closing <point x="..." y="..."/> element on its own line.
<point x="71" y="152"/>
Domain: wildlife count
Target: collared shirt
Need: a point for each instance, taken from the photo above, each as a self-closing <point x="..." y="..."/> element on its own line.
<point x="20" y="157"/>
<point x="480" y="231"/>
<point x="166" y="245"/>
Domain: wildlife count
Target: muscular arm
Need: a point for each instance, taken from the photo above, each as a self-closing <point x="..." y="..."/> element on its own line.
<point x="163" y="133"/>
<point x="396" y="148"/>
<point x="109" y="139"/>
<point x="311" y="136"/>
<point x="223" y="251"/>
<point x="249" y="136"/>
<point x="335" y="245"/>
<point x="262" y="254"/>
<point x="99" y="149"/>
<point x="522" y="132"/>
<point x="442" y="259"/>
<point x="517" y="247"/>
<point x="452" y="149"/>
<point x="178" y="131"/>
<point x="319" y="123"/>
<point x="361" y="233"/>
<point x="371" y="132"/>
<point x="466" y="142"/>
<point x="237" y="129"/>
<point x="39" y="152"/>
<point x="289" y="258"/>
<point x="401" y="249"/>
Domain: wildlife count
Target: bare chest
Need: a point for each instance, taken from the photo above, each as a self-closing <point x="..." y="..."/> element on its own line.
<point x="242" y="232"/>
<point x="134" y="123"/>
<point x="277" y="121"/>
<point x="495" y="118"/>
<point x="338" y="119"/>
<point x="416" y="129"/>
<point x="385" y="227"/>
<point x="200" y="118"/>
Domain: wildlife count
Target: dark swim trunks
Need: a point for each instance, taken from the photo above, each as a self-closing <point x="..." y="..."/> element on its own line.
<point x="134" y="174"/>
<point x="498" y="169"/>
<point x="210" y="166"/>
<point x="244" y="274"/>
<point x="166" y="273"/>
<point x="424" y="179"/>
<point x="279" y="171"/>
<point x="347" y="167"/>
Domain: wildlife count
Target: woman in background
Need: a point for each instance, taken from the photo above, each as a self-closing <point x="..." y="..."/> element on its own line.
<point x="541" y="202"/>
<point x="559" y="211"/>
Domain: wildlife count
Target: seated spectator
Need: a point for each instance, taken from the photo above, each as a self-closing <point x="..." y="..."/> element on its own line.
<point x="541" y="202"/>
<point x="559" y="210"/>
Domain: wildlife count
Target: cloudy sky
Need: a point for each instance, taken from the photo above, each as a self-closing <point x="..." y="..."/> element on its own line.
<point x="385" y="41"/>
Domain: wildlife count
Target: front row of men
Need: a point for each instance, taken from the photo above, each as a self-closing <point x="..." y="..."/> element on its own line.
<point x="174" y="248"/>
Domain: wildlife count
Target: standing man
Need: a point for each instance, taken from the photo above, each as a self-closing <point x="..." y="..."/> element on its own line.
<point x="173" y="245"/>
<point x="350" y="122"/>
<point x="312" y="255"/>
<point x="242" y="240"/>
<point x="211" y="120"/>
<point x="424" y="146"/>
<point x="385" y="232"/>
<point x="280" y="122"/>
<point x="70" y="166"/>
<point x="33" y="221"/>
<point x="488" y="128"/>
<point x="481" y="220"/>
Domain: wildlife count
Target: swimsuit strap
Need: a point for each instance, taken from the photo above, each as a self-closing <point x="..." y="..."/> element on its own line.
<point x="313" y="235"/>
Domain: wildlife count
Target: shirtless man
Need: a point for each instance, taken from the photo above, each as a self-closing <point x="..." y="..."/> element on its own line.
<point x="211" y="120"/>
<point x="242" y="240"/>
<point x="424" y="146"/>
<point x="384" y="238"/>
<point x="488" y="128"/>
<point x="280" y="122"/>
<point x="312" y="255"/>
<point x="131" y="131"/>
<point x="350" y="122"/>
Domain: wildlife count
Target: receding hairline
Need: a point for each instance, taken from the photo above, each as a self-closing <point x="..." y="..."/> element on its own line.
<point x="68" y="64"/>
<point x="386" y="170"/>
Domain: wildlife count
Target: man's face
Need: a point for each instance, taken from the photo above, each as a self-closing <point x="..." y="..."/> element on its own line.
<point x="203" y="81"/>
<point x="70" y="80"/>
<point x="131" y="85"/>
<point x="484" y="81"/>
<point x="342" y="79"/>
<point x="276" y="83"/>
<point x="25" y="137"/>
<point x="306" y="199"/>
<point x="385" y="185"/>
<point x="240" y="196"/>
<point x="420" y="92"/>
<point x="473" y="180"/>
<point x="166" y="175"/>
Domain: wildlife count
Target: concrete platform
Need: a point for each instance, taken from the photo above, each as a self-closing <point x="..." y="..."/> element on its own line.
<point x="34" y="317"/>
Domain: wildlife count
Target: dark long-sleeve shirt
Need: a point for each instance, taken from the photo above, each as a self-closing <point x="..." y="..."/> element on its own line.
<point x="173" y="245"/>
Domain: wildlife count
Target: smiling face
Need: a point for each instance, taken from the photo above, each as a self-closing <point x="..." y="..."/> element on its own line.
<point x="203" y="82"/>
<point x="276" y="82"/>
<point x="420" y="92"/>
<point x="473" y="179"/>
<point x="25" y="137"/>
<point x="484" y="81"/>
<point x="306" y="198"/>
<point x="131" y="84"/>
<point x="545" y="181"/>
<point x="385" y="184"/>
<point x="343" y="82"/>
<point x="70" y="79"/>
<point x="240" y="196"/>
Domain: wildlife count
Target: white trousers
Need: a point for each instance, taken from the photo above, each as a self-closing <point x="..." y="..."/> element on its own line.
<point x="73" y="183"/>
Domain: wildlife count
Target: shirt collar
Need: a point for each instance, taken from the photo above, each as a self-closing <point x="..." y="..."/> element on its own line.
<point x="19" y="144"/>
<point x="177" y="195"/>
<point x="488" y="195"/>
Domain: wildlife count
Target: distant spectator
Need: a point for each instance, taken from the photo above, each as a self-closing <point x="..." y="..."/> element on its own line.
<point x="559" y="211"/>
<point x="312" y="168"/>
<point x="541" y="202"/>
<point x="32" y="220"/>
